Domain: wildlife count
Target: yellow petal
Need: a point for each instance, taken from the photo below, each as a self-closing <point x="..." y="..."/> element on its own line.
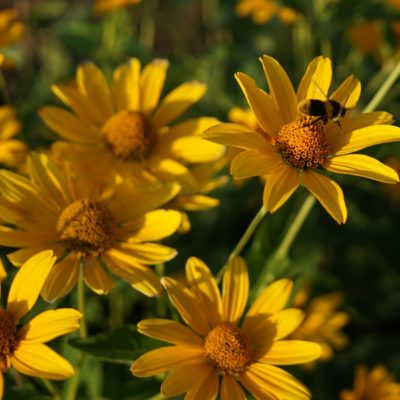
<point x="28" y="283"/>
<point x="365" y="137"/>
<point x="190" y="127"/>
<point x="235" y="290"/>
<point x="145" y="253"/>
<point x="287" y="321"/>
<point x="274" y="382"/>
<point x="151" y="84"/>
<point x="206" y="388"/>
<point x="348" y="92"/>
<point x="18" y="257"/>
<point x="36" y="359"/>
<point x="196" y="150"/>
<point x="9" y="124"/>
<point x="18" y="238"/>
<point x="126" y="87"/>
<point x="13" y="152"/>
<point x="363" y="120"/>
<point x="155" y="225"/>
<point x="163" y="359"/>
<point x="188" y="306"/>
<point x="290" y="352"/>
<point x="61" y="279"/>
<point x="272" y="299"/>
<point x="169" y="331"/>
<point x="3" y="274"/>
<point x="231" y="390"/>
<point x="93" y="85"/>
<point x="204" y="288"/>
<point x="251" y="163"/>
<point x="194" y="203"/>
<point x="95" y="277"/>
<point x="281" y="88"/>
<point x="237" y="136"/>
<point x="364" y="166"/>
<point x="279" y="188"/>
<point x="140" y="277"/>
<point x="262" y="105"/>
<point x="50" y="324"/>
<point x="185" y="377"/>
<point x="316" y="80"/>
<point x="328" y="193"/>
<point x="176" y="102"/>
<point x="1" y="385"/>
<point x="68" y="126"/>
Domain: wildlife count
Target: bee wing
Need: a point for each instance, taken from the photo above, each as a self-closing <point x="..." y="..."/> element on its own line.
<point x="319" y="89"/>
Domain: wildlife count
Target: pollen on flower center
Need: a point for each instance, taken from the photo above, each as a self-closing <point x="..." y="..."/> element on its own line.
<point x="8" y="339"/>
<point x="86" y="226"/>
<point x="302" y="143"/>
<point x="227" y="349"/>
<point x="128" y="135"/>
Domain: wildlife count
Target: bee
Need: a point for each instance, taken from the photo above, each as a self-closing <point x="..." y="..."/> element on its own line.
<point x="324" y="110"/>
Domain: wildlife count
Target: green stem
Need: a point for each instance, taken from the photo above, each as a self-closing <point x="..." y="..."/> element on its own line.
<point x="148" y="24"/>
<point x="381" y="93"/>
<point x="244" y="239"/>
<point x="294" y="228"/>
<point x="52" y="389"/>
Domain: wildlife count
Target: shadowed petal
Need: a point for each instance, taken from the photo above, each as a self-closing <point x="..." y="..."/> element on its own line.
<point x="231" y="390"/>
<point x="207" y="388"/>
<point x="204" y="288"/>
<point x="328" y="193"/>
<point x="96" y="277"/>
<point x="348" y="92"/>
<point x="360" y="165"/>
<point x="287" y="321"/>
<point x="235" y="290"/>
<point x="279" y="188"/>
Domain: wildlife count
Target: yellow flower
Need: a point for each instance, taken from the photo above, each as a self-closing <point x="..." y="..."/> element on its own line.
<point x="395" y="3"/>
<point x="215" y="345"/>
<point x="322" y="322"/>
<point x="264" y="10"/>
<point x="304" y="146"/>
<point x="11" y="31"/>
<point x="377" y="384"/>
<point x="12" y="152"/>
<point x="105" y="6"/>
<point x="23" y="347"/>
<point x="366" y="36"/>
<point x="125" y="127"/>
<point x="3" y="272"/>
<point x="86" y="225"/>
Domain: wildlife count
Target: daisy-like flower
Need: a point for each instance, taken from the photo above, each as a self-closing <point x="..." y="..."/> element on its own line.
<point x="127" y="127"/>
<point x="376" y="384"/>
<point x="106" y="6"/>
<point x="303" y="146"/>
<point x="23" y="347"/>
<point x="11" y="30"/>
<point x="322" y="323"/>
<point x="216" y="353"/>
<point x="86" y="225"/>
<point x="12" y="152"/>
<point x="263" y="11"/>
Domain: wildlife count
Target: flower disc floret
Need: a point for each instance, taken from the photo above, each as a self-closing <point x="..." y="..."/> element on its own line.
<point x="228" y="349"/>
<point x="86" y="226"/>
<point x="302" y="143"/>
<point x="128" y="135"/>
<point x="8" y="339"/>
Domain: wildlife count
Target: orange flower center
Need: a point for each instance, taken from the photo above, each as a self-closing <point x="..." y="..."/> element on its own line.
<point x="302" y="143"/>
<point x="8" y="339"/>
<point x="87" y="227"/>
<point x="227" y="349"/>
<point x="128" y="135"/>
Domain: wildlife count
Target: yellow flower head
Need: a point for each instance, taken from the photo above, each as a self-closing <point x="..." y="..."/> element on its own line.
<point x="322" y="323"/>
<point x="377" y="384"/>
<point x="127" y="127"/>
<point x="12" y="152"/>
<point x="11" y="31"/>
<point x="304" y="145"/>
<point x="216" y="353"/>
<point x="262" y="11"/>
<point x="23" y="347"/>
<point x="106" y="6"/>
<point x="86" y="225"/>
